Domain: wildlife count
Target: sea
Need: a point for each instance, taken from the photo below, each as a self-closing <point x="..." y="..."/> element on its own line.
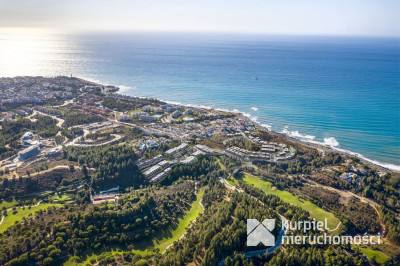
<point x="340" y="91"/>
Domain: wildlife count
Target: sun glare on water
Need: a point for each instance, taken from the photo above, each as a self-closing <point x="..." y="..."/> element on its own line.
<point x="29" y="52"/>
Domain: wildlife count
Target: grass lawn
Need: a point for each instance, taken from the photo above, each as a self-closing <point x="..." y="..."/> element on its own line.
<point x="11" y="218"/>
<point x="231" y="181"/>
<point x="379" y="256"/>
<point x="59" y="198"/>
<point x="134" y="111"/>
<point x="9" y="203"/>
<point x="315" y="211"/>
<point x="221" y="165"/>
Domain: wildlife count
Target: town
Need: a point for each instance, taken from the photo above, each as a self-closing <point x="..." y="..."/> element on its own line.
<point x="160" y="121"/>
<point x="80" y="153"/>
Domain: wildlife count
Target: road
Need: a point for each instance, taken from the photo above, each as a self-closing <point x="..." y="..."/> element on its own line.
<point x="65" y="103"/>
<point x="144" y="129"/>
<point x="60" y="121"/>
<point x="115" y="138"/>
<point x="85" y="131"/>
<point x="72" y="142"/>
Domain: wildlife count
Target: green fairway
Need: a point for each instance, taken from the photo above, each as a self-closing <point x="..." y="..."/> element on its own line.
<point x="59" y="198"/>
<point x="24" y="200"/>
<point x="9" y="203"/>
<point x="184" y="223"/>
<point x="221" y="165"/>
<point x="315" y="211"/>
<point x="11" y="218"/>
<point x="232" y="181"/>
<point x="379" y="256"/>
<point x="162" y="243"/>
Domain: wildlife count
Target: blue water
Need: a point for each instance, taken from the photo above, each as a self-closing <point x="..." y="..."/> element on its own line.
<point x="341" y="91"/>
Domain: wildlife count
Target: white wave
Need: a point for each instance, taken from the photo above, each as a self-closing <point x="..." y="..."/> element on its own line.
<point x="359" y="155"/>
<point x="93" y="80"/>
<point x="254" y="109"/>
<point x="172" y="102"/>
<point x="269" y="127"/>
<point x="184" y="104"/>
<point x="297" y="134"/>
<point x="123" y="88"/>
<point x="331" y="141"/>
<point x="252" y="117"/>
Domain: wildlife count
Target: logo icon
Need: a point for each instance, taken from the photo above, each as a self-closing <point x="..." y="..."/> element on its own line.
<point x="260" y="232"/>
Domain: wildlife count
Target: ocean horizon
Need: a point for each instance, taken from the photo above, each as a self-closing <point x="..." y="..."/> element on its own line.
<point x="339" y="91"/>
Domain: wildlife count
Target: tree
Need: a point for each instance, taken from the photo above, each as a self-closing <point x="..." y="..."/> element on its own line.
<point x="48" y="261"/>
<point x="142" y="262"/>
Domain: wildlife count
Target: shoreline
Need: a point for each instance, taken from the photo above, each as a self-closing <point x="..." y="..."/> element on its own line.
<point x="385" y="167"/>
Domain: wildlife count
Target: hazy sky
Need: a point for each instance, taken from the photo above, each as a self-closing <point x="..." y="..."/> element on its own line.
<point x="337" y="17"/>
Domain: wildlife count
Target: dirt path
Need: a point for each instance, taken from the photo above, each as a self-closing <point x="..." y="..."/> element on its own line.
<point x="51" y="169"/>
<point x="345" y="194"/>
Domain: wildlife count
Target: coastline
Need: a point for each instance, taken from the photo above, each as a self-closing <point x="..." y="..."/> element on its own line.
<point x="384" y="167"/>
<point x="325" y="148"/>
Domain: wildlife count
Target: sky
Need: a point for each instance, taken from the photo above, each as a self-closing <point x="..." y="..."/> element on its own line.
<point x="299" y="17"/>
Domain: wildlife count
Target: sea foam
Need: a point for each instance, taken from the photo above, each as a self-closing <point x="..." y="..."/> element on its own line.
<point x="297" y="134"/>
<point x="331" y="141"/>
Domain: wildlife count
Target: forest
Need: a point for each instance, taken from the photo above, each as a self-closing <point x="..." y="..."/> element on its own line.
<point x="57" y="232"/>
<point x="144" y="211"/>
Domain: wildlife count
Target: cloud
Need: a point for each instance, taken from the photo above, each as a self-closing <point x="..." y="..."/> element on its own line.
<point x="361" y="17"/>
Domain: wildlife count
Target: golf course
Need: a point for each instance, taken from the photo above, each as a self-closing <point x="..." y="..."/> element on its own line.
<point x="315" y="211"/>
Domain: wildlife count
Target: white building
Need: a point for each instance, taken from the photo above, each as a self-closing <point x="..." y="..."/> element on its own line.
<point x="174" y="151"/>
<point x="189" y="160"/>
